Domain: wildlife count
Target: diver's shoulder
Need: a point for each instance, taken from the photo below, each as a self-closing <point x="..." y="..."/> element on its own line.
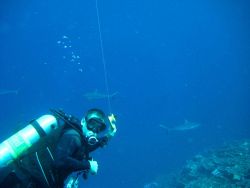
<point x="72" y="132"/>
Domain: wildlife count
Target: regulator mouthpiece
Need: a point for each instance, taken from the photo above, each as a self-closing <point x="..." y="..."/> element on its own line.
<point x="92" y="140"/>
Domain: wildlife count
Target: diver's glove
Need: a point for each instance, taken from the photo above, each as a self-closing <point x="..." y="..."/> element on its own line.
<point x="93" y="167"/>
<point x="112" y="129"/>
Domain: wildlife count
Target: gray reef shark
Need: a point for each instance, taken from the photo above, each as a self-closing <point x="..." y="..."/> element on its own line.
<point x="187" y="125"/>
<point x="5" y="92"/>
<point x="97" y="95"/>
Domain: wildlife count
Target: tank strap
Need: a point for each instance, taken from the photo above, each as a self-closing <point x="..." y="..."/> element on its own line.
<point x="38" y="128"/>
<point x="41" y="168"/>
<point x="46" y="171"/>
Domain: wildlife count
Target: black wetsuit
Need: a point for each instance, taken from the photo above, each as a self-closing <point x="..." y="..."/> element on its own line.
<point x="71" y="154"/>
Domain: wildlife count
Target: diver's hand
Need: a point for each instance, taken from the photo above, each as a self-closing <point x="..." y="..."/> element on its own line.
<point x="93" y="167"/>
<point x="112" y="129"/>
<point x="112" y="132"/>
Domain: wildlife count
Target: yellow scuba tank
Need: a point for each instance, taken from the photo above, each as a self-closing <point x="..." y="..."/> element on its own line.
<point x="13" y="147"/>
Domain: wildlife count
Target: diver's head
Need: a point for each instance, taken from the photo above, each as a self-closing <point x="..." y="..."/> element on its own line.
<point x="92" y="124"/>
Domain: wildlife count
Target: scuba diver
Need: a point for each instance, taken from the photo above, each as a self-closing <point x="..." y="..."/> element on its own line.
<point x="57" y="159"/>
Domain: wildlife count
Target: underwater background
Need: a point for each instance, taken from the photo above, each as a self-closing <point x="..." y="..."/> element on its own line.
<point x="169" y="61"/>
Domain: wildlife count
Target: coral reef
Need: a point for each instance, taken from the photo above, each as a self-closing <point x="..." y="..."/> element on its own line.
<point x="226" y="167"/>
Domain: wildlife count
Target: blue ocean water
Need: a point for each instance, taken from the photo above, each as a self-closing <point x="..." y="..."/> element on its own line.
<point x="169" y="61"/>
